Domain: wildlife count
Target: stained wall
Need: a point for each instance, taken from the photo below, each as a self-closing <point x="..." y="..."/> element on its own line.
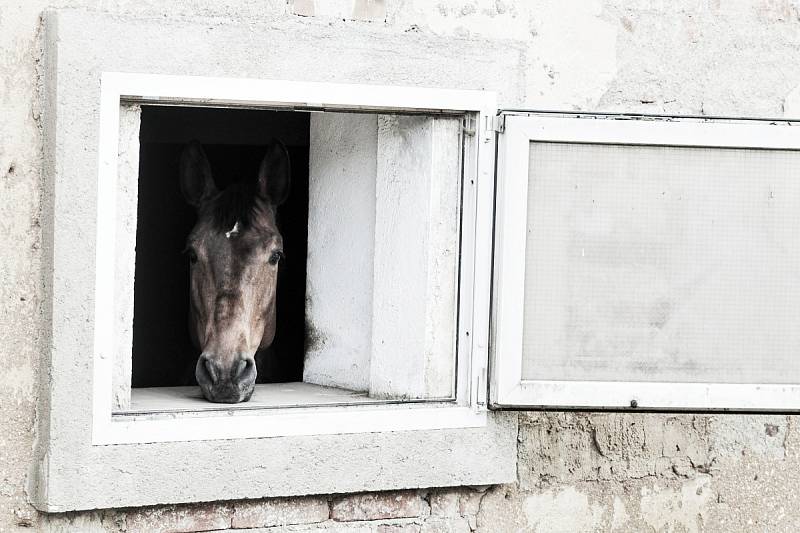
<point x="577" y="471"/>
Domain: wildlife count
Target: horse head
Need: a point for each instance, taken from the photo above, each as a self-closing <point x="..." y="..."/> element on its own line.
<point x="233" y="250"/>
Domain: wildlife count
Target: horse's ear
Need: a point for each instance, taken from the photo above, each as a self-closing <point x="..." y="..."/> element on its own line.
<point x="197" y="185"/>
<point x="273" y="174"/>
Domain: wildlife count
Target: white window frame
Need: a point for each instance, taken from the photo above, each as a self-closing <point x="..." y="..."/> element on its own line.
<point x="469" y="407"/>
<point x="509" y="389"/>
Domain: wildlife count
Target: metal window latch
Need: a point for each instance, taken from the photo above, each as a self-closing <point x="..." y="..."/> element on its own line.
<point x="481" y="399"/>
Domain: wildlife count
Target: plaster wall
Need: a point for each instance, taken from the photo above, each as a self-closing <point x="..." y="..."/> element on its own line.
<point x="576" y="471"/>
<point x="383" y="239"/>
<point x="130" y="116"/>
<point x="342" y="166"/>
<point x="416" y="239"/>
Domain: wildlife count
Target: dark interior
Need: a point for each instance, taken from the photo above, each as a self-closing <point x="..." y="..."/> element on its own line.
<point x="235" y="140"/>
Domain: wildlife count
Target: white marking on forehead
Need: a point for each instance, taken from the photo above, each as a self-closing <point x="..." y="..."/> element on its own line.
<point x="233" y="232"/>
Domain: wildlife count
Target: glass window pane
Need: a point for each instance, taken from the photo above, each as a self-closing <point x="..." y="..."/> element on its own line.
<point x="669" y="264"/>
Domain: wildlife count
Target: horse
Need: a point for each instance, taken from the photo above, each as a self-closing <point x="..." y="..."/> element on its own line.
<point x="233" y="249"/>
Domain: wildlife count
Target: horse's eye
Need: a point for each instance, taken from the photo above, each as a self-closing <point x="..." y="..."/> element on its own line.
<point x="191" y="254"/>
<point x="275" y="257"/>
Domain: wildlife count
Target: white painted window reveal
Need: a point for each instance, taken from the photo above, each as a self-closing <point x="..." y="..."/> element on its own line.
<point x="408" y="321"/>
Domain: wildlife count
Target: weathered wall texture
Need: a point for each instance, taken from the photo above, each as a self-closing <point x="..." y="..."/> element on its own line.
<point x="577" y="472"/>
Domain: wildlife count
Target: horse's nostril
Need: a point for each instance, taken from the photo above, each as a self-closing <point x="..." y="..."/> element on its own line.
<point x="207" y="371"/>
<point x="242" y="369"/>
<point x="211" y="370"/>
<point x="226" y="382"/>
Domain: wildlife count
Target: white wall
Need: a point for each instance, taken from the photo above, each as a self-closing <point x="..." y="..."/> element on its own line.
<point x="416" y="257"/>
<point x="383" y="253"/>
<point x="341" y="225"/>
<point x="591" y="472"/>
<point x="129" y="120"/>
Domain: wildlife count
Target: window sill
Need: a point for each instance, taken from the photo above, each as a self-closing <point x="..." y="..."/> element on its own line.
<point x="171" y="400"/>
<point x="170" y="414"/>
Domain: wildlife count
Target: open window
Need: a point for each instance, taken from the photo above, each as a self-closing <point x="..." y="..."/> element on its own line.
<point x="647" y="262"/>
<point x="376" y="298"/>
<point x="367" y="290"/>
<point x="387" y="273"/>
<point x="619" y="262"/>
<point x="162" y="357"/>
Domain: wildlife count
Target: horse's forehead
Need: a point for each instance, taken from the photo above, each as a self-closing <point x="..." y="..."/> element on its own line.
<point x="236" y="238"/>
<point x="251" y="239"/>
<point x="233" y="232"/>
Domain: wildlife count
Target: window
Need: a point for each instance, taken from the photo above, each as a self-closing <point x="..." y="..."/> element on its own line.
<point x="235" y="141"/>
<point x="397" y="343"/>
<point x="384" y="231"/>
<point x="618" y="262"/>
<point x="104" y="161"/>
<point x="658" y="258"/>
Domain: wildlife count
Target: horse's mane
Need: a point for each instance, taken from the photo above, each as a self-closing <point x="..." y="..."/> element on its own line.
<point x="236" y="203"/>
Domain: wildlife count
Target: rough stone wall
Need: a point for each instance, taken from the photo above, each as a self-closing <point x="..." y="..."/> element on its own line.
<point x="577" y="471"/>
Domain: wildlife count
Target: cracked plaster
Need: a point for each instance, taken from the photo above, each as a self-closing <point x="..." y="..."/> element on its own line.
<point x="690" y="56"/>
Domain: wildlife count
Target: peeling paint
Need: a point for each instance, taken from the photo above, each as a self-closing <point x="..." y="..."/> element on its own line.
<point x="755" y="435"/>
<point x="619" y="515"/>
<point x="564" y="511"/>
<point x="791" y="104"/>
<point x="617" y="472"/>
<point x="676" y="509"/>
<point x="560" y="77"/>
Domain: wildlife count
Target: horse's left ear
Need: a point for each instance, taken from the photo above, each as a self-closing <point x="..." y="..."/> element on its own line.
<point x="273" y="175"/>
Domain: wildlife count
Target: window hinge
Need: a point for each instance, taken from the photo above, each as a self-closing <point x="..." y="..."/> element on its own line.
<point x="491" y="125"/>
<point x="499" y="123"/>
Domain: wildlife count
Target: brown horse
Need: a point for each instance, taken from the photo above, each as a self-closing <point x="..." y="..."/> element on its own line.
<point x="234" y="250"/>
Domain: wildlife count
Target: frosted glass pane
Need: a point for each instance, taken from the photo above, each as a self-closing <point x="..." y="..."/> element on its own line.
<point x="662" y="264"/>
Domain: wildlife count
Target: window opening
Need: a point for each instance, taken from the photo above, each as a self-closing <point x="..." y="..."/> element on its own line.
<point x="235" y="141"/>
<point x="367" y="292"/>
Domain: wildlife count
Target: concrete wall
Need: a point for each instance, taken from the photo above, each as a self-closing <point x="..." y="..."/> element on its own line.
<point x="577" y="471"/>
<point x="342" y="165"/>
<point x="388" y="326"/>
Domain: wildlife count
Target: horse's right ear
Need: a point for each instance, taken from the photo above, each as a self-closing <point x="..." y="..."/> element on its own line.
<point x="197" y="185"/>
<point x="274" y="174"/>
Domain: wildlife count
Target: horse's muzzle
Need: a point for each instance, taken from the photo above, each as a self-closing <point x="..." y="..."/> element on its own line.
<point x="223" y="383"/>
